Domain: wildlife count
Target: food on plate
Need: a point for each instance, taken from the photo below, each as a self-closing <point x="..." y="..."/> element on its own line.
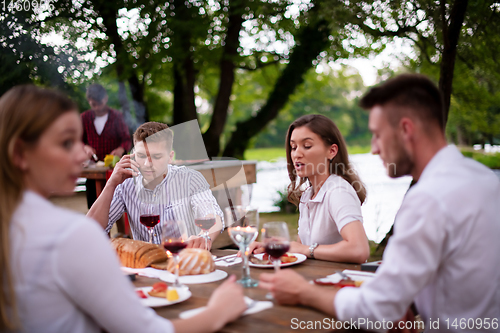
<point x="141" y="294"/>
<point x="138" y="254"/>
<point x="159" y="290"/>
<point x="193" y="262"/>
<point x="172" y="295"/>
<point x="111" y="160"/>
<point x="267" y="260"/>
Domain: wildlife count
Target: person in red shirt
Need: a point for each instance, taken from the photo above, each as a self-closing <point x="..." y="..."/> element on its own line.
<point x="104" y="132"/>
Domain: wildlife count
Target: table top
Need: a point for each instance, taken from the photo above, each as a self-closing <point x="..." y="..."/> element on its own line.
<point x="277" y="319"/>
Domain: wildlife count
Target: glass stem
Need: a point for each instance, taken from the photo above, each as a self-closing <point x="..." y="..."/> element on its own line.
<point x="206" y="240"/>
<point x="176" y="258"/>
<point x="246" y="267"/>
<point x="277" y="264"/>
<point x="150" y="230"/>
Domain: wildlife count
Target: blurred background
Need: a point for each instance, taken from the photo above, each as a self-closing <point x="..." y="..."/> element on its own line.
<point x="246" y="69"/>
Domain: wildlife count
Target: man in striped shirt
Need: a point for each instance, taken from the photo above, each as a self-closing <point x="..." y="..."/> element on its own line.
<point x="179" y="190"/>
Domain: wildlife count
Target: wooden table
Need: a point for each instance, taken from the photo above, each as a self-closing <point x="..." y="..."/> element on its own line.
<point x="215" y="172"/>
<point x="277" y="319"/>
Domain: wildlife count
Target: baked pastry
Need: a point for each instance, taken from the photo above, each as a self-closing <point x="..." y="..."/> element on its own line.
<point x="193" y="262"/>
<point x="138" y="254"/>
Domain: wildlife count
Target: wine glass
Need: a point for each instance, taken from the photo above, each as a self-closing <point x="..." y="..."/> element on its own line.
<point x="243" y="237"/>
<point x="149" y="216"/>
<point x="276" y="239"/>
<point x="204" y="218"/>
<point x="174" y="238"/>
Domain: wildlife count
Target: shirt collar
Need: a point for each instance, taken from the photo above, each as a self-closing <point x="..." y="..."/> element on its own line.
<point x="322" y="191"/>
<point x="436" y="163"/>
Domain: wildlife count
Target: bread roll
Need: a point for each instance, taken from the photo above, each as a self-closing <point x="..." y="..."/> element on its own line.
<point x="193" y="262"/>
<point x="138" y="254"/>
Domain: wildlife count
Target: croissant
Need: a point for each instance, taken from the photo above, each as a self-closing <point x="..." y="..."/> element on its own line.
<point x="138" y="254"/>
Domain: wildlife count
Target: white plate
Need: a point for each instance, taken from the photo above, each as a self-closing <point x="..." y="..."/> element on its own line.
<point x="194" y="279"/>
<point x="300" y="258"/>
<point x="169" y="277"/>
<point x="153" y="302"/>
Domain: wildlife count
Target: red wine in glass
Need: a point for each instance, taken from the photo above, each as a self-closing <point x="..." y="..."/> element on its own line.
<point x="174" y="247"/>
<point x="276" y="250"/>
<point x="150" y="220"/>
<point x="205" y="223"/>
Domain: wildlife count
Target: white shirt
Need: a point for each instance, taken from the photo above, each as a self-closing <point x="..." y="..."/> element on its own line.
<point x="445" y="251"/>
<point x="100" y="122"/>
<point x="67" y="277"/>
<point x="179" y="193"/>
<point x="322" y="218"/>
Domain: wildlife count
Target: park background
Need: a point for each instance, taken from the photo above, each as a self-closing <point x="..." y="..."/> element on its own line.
<point x="245" y="69"/>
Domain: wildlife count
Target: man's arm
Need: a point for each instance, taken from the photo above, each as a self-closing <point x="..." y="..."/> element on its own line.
<point x="100" y="209"/>
<point x="290" y="288"/>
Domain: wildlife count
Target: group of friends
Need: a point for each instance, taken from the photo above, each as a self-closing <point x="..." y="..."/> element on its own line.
<point x="442" y="259"/>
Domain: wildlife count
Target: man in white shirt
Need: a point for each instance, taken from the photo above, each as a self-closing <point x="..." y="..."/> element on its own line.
<point x="444" y="254"/>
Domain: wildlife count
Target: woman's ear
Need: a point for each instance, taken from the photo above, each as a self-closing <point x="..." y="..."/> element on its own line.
<point x="332" y="151"/>
<point x="18" y="156"/>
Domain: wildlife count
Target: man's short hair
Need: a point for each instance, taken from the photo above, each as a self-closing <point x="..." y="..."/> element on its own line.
<point x="414" y="92"/>
<point x="96" y="92"/>
<point x="154" y="132"/>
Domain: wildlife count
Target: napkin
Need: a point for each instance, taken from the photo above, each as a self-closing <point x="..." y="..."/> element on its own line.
<point x="223" y="263"/>
<point x="148" y="272"/>
<point x="354" y="275"/>
<point x="257" y="307"/>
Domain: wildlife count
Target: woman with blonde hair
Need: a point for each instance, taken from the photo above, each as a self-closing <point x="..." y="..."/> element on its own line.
<point x="58" y="272"/>
<point x="330" y="221"/>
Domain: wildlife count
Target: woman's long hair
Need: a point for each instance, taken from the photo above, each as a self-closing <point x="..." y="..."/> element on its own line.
<point x="25" y="113"/>
<point x="339" y="165"/>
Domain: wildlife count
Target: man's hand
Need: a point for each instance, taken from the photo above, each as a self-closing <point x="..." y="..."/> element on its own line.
<point x="199" y="243"/>
<point x="124" y="169"/>
<point x="286" y="286"/>
<point x="89" y="150"/>
<point x="118" y="151"/>
<point x="296" y="247"/>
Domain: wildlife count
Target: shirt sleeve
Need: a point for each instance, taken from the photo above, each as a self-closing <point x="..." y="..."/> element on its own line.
<point x="344" y="207"/>
<point x="116" y="208"/>
<point x="410" y="262"/>
<point x="88" y="272"/>
<point x="200" y="192"/>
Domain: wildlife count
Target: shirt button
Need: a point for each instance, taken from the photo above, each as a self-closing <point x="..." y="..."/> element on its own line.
<point x="155" y="235"/>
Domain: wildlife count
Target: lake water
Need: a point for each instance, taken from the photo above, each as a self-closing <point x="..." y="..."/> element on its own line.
<point x="383" y="200"/>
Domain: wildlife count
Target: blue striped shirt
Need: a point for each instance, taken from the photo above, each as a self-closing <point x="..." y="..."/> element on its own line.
<point x="179" y="193"/>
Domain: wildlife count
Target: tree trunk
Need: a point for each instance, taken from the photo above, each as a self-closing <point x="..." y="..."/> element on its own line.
<point x="127" y="116"/>
<point x="226" y="79"/>
<point x="109" y="13"/>
<point x="312" y="40"/>
<point x="184" y="70"/>
<point x="451" y="34"/>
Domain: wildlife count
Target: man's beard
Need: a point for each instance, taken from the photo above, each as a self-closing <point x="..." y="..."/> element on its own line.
<point x="402" y="165"/>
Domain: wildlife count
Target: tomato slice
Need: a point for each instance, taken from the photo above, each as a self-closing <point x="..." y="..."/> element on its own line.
<point x="160" y="286"/>
<point x="141" y="294"/>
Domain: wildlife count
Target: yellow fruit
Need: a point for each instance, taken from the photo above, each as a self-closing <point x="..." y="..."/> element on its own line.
<point x="172" y="295"/>
<point x="358" y="283"/>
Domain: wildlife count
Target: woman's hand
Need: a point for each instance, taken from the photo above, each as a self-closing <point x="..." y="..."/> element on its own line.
<point x="255" y="247"/>
<point x="296" y="247"/>
<point x="124" y="169"/>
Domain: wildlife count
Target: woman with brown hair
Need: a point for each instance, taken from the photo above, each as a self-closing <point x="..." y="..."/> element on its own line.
<point x="327" y="190"/>
<point x="57" y="270"/>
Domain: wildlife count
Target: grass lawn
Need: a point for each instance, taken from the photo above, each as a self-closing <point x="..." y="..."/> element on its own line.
<point x="264" y="154"/>
<point x="272" y="154"/>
